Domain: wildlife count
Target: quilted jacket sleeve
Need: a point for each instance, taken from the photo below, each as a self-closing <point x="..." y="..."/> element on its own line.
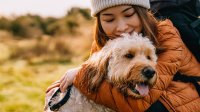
<point x="168" y="64"/>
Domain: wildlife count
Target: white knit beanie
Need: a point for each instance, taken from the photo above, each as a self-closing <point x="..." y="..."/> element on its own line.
<point x="99" y="5"/>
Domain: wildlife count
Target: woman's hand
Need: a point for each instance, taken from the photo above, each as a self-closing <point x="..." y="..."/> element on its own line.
<point x="68" y="78"/>
<point x="63" y="83"/>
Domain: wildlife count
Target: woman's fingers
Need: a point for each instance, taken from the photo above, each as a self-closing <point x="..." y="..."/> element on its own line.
<point x="50" y="92"/>
<point x="68" y="78"/>
<point x="62" y="82"/>
<point x="64" y="85"/>
<point x="57" y="84"/>
<point x="61" y="85"/>
<point x="63" y="77"/>
<point x="64" y="88"/>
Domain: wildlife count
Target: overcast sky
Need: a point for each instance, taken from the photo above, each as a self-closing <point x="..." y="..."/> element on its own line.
<point x="56" y="8"/>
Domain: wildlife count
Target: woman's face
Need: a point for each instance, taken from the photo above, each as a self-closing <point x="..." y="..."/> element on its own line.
<point x="120" y="19"/>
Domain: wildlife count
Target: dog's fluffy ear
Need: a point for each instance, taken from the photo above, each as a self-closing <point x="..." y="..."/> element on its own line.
<point x="95" y="71"/>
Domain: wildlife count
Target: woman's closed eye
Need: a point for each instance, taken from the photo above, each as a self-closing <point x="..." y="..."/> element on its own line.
<point x="109" y="20"/>
<point x="129" y="15"/>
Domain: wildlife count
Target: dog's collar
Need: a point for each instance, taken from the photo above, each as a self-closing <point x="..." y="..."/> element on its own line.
<point x="56" y="106"/>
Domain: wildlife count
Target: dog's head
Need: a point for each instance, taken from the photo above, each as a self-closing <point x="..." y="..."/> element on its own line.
<point x="128" y="62"/>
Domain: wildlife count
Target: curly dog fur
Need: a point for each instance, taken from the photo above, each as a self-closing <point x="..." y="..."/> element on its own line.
<point x="127" y="62"/>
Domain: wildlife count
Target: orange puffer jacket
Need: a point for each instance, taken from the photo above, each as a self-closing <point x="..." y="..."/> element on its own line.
<point x="176" y="96"/>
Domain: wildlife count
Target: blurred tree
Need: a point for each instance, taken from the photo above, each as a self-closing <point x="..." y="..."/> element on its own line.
<point x="85" y="13"/>
<point x="72" y="25"/>
<point x="27" y="26"/>
<point x="52" y="28"/>
<point x="17" y="29"/>
<point x="31" y="26"/>
<point x="4" y="23"/>
<point x="47" y="26"/>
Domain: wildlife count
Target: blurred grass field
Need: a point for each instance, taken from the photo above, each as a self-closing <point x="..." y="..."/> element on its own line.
<point x="26" y="70"/>
<point x="24" y="77"/>
<point x="35" y="51"/>
<point x="22" y="86"/>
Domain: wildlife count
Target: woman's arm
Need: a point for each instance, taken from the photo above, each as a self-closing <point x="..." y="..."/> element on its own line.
<point x="167" y="65"/>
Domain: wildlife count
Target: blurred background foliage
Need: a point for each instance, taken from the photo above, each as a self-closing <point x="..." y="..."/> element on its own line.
<point x="36" y="51"/>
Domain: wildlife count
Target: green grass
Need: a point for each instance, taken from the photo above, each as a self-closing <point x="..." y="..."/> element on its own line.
<point x="22" y="86"/>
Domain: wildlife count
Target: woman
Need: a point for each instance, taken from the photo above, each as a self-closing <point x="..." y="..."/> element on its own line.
<point x="115" y="17"/>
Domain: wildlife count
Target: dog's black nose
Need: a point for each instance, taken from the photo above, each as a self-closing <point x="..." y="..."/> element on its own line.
<point x="148" y="72"/>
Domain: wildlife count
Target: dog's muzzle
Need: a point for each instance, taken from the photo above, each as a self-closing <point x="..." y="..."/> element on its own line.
<point x="141" y="88"/>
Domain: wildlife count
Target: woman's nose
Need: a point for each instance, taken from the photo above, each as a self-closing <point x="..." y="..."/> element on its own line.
<point x="122" y="26"/>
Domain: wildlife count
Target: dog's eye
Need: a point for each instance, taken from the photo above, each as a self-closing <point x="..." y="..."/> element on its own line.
<point x="129" y="56"/>
<point x="148" y="57"/>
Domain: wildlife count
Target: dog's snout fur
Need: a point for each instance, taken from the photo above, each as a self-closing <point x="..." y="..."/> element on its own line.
<point x="148" y="72"/>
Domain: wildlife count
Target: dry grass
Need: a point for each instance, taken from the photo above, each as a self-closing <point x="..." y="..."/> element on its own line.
<point x="22" y="86"/>
<point x="45" y="48"/>
<point x="29" y="66"/>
